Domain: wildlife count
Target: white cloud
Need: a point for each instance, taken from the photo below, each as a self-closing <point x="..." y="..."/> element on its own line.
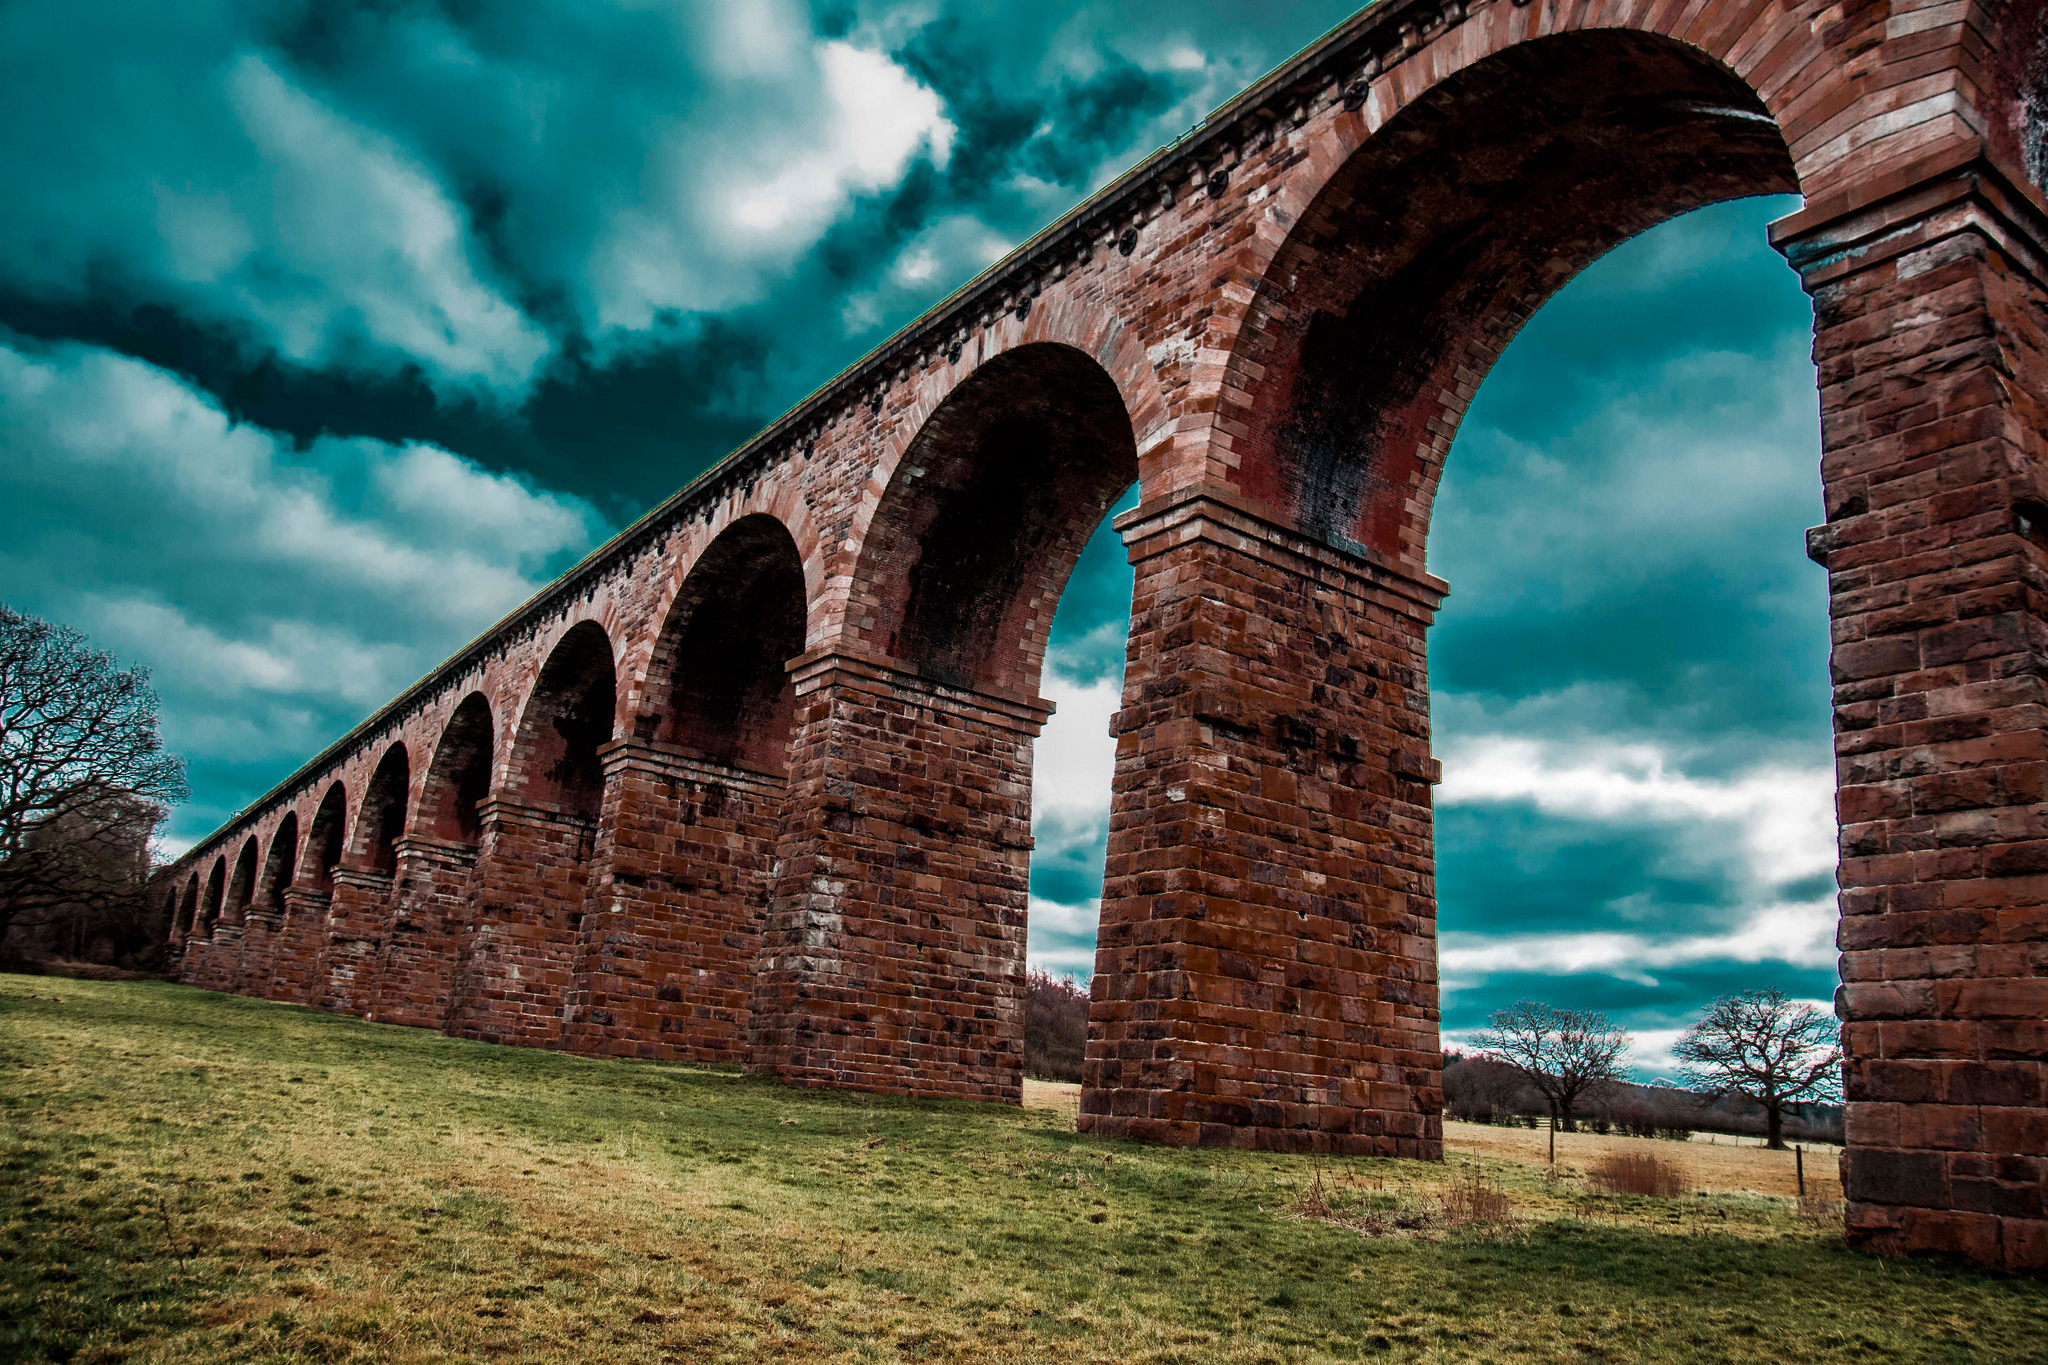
<point x="880" y="118"/>
<point x="1075" y="757"/>
<point x="1785" y="815"/>
<point x="181" y="165"/>
<point x="1074" y="760"/>
<point x="950" y="251"/>
<point x="296" y="659"/>
<point x="278" y="593"/>
<point x="343" y="234"/>
<point x="724" y="214"/>
<point x="1062" y="937"/>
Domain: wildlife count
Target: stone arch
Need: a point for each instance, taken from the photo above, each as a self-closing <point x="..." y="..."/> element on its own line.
<point x="216" y="891"/>
<point x="717" y="681"/>
<point x="986" y="512"/>
<point x="242" y="888"/>
<point x="1421" y="255"/>
<point x="381" y="818"/>
<point x="567" y="718"/>
<point x="282" y="864"/>
<point x="324" y="839"/>
<point x="459" y="777"/>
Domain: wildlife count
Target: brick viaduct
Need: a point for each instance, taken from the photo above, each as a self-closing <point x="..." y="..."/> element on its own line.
<point x="752" y="783"/>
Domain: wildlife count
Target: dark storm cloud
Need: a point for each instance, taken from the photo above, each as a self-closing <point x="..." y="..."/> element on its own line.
<point x="1518" y="869"/>
<point x="597" y="245"/>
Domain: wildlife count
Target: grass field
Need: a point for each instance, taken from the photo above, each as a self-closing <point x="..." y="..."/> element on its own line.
<point x="193" y="1177"/>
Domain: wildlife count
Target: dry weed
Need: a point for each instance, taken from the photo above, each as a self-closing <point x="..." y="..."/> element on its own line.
<point x="1468" y="1202"/>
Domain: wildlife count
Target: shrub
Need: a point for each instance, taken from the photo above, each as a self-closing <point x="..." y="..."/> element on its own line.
<point x="1640" y="1173"/>
<point x="1471" y="1200"/>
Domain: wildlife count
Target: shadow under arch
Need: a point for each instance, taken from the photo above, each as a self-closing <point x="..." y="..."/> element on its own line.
<point x="1424" y="253"/>
<point x="324" y="839"/>
<point x="509" y="980"/>
<point x="188" y="912"/>
<point x="459" y="776"/>
<point x="381" y="819"/>
<point x="931" y="717"/>
<point x="718" y="683"/>
<point x="216" y="892"/>
<point x="242" y="886"/>
<point x="680" y="882"/>
<point x="413" y="980"/>
<point x="1306" y="720"/>
<point x="988" y="509"/>
<point x="568" y="717"/>
<point x="283" y="863"/>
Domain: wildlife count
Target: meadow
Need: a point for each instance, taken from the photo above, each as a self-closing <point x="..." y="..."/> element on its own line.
<point x="196" y="1177"/>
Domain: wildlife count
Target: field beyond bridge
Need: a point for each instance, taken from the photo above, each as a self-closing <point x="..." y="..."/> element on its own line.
<point x="195" y="1177"/>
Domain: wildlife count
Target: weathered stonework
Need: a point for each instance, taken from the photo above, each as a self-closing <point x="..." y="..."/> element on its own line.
<point x="753" y="782"/>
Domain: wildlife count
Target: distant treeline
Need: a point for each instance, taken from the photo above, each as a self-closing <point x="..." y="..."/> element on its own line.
<point x="1479" y="1090"/>
<point x="1055" y="1026"/>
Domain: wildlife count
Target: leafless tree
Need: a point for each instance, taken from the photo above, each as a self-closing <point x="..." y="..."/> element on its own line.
<point x="1766" y="1048"/>
<point x="1566" y="1055"/>
<point x="83" y="775"/>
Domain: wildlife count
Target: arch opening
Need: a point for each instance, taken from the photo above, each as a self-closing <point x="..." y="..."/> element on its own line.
<point x="570" y="716"/>
<point x="382" y="817"/>
<point x="988" y="509"/>
<point x="216" y="892"/>
<point x="719" y="683"/>
<point x="188" y="918"/>
<point x="242" y="889"/>
<point x="324" y="839"/>
<point x="1400" y="285"/>
<point x="459" y="778"/>
<point x="283" y="862"/>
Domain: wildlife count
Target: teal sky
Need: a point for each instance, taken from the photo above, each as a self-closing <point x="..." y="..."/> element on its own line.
<point x="328" y="332"/>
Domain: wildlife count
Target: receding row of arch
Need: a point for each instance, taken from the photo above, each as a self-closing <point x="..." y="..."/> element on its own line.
<point x="995" y="499"/>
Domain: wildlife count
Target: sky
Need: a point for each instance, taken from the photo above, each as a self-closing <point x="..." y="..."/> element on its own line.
<point x="330" y="332"/>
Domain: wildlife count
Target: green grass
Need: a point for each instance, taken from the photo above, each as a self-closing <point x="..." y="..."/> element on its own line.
<point x="198" y="1177"/>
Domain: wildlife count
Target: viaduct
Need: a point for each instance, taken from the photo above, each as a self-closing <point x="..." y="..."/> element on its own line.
<point x="751" y="784"/>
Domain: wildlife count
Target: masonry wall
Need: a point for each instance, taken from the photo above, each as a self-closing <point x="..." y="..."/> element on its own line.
<point x="511" y="973"/>
<point x="679" y="887"/>
<point x="893" y="958"/>
<point x="1265" y="971"/>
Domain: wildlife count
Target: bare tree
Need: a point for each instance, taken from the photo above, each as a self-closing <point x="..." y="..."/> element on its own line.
<point x="83" y="774"/>
<point x="1766" y="1048"/>
<point x="1566" y="1055"/>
